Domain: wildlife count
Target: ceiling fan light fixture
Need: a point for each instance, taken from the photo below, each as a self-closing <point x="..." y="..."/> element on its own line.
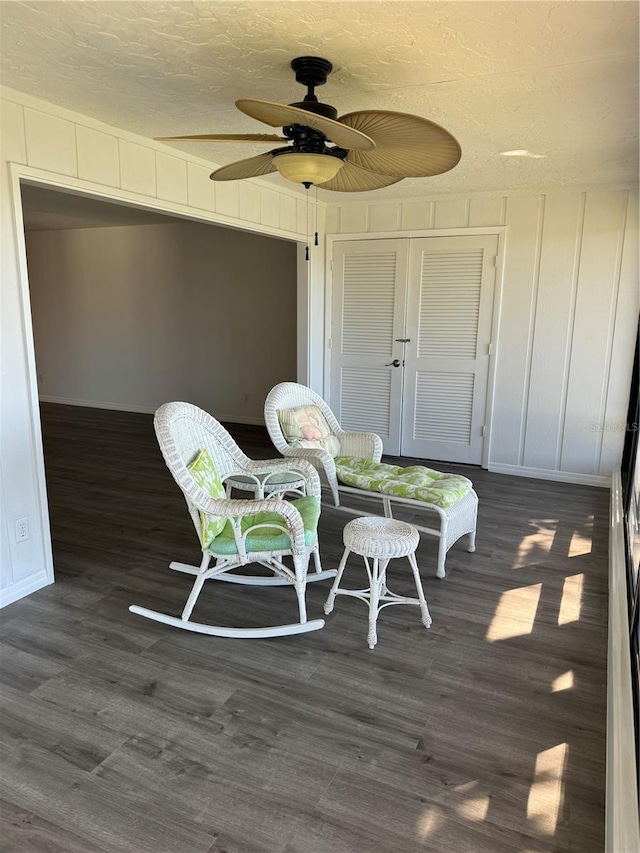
<point x="307" y="168"/>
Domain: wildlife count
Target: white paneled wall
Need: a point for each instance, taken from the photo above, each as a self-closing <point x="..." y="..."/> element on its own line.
<point x="70" y="151"/>
<point x="568" y="316"/>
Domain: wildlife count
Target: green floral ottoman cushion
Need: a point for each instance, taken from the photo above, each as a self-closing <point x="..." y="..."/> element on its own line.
<point x="415" y="482"/>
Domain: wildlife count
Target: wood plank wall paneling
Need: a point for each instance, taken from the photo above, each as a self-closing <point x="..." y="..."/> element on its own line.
<point x="67" y="144"/>
<point x="417" y="215"/>
<point x="554" y="314"/>
<point x="137" y="168"/>
<point x="521" y="267"/>
<point x="200" y="189"/>
<point x="486" y="211"/>
<point x="14" y="142"/>
<point x="228" y="199"/>
<point x="97" y="156"/>
<point x="385" y="217"/>
<point x="602" y="239"/>
<point x="171" y="178"/>
<point x="51" y="143"/>
<point x="568" y="315"/>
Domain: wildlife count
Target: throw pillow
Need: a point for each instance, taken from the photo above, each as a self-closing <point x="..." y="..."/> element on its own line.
<point x="205" y="474"/>
<point x="304" y="423"/>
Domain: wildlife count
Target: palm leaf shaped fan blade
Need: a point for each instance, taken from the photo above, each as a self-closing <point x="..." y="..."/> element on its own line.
<point x="252" y="167"/>
<point x="226" y="137"/>
<point x="407" y="146"/>
<point x="283" y="115"/>
<point x="353" y="179"/>
<point x="360" y="151"/>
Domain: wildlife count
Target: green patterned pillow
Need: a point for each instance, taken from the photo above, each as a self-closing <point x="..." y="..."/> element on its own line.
<point x="205" y="474"/>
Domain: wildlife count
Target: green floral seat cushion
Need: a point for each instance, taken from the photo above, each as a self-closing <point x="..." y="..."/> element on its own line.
<point x="269" y="538"/>
<point x="415" y="482"/>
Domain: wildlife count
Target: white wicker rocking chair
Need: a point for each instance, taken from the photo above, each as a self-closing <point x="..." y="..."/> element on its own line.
<point x="454" y="521"/>
<point x="184" y="431"/>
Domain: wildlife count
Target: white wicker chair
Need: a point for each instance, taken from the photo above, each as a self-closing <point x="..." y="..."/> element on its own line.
<point x="290" y="395"/>
<point x="454" y="521"/>
<point x="183" y="430"/>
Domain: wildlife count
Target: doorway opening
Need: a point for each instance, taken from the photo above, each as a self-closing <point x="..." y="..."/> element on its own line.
<point x="133" y="307"/>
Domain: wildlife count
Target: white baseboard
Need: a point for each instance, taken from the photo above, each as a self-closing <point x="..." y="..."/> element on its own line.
<point x="239" y="419"/>
<point x="24" y="587"/>
<point x="142" y="410"/>
<point x="545" y="474"/>
<point x="97" y="404"/>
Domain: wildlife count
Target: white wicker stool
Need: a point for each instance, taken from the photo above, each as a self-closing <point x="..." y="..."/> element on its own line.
<point x="379" y="539"/>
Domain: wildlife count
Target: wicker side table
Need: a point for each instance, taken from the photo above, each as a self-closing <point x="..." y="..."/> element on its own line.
<point x="379" y="540"/>
<point x="267" y="485"/>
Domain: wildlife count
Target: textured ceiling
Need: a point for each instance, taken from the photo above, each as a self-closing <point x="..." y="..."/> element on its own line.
<point x="558" y="79"/>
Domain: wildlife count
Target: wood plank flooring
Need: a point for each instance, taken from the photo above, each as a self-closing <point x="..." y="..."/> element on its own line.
<point x="484" y="734"/>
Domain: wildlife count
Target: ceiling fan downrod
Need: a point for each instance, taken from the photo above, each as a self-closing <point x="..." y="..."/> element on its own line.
<point x="312" y="71"/>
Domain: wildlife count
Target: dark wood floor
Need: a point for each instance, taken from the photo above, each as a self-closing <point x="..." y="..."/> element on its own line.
<point x="484" y="734"/>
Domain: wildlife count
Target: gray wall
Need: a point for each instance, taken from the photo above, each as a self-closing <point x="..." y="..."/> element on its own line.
<point x="132" y="317"/>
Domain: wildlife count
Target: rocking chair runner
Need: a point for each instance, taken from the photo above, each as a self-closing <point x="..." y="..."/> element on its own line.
<point x="349" y="464"/>
<point x="249" y="531"/>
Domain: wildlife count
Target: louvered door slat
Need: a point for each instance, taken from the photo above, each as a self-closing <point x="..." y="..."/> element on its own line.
<point x="444" y="407"/>
<point x="449" y="323"/>
<point x="365" y="401"/>
<point x="449" y="304"/>
<point x="369" y="284"/>
<point x="368" y="314"/>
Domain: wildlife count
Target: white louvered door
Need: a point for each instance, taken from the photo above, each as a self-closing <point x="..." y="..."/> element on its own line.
<point x="449" y="317"/>
<point x="368" y="315"/>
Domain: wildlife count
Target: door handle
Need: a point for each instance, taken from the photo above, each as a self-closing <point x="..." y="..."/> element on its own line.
<point x="394" y="363"/>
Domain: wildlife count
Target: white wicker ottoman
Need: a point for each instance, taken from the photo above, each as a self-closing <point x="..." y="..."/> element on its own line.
<point x="379" y="540"/>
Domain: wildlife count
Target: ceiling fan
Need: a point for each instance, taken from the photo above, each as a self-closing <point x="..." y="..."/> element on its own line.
<point x="359" y="151"/>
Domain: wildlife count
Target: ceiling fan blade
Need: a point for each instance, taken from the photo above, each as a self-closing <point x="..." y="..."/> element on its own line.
<point x="228" y="137"/>
<point x="281" y="115"/>
<point x="252" y="167"/>
<point x="406" y="146"/>
<point x="352" y="179"/>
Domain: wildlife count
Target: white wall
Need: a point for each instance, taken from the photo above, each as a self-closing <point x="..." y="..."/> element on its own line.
<point x="568" y="316"/>
<point x="49" y="145"/>
<point x="131" y="317"/>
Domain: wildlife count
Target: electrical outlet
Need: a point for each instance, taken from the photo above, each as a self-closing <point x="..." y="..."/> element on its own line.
<point x="22" y="529"/>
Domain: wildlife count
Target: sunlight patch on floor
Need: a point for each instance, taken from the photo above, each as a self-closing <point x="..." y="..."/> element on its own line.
<point x="545" y="794"/>
<point x="580" y="545"/>
<point x="515" y="613"/>
<point x="475" y="808"/>
<point x="428" y="822"/>
<point x="471" y="806"/>
<point x="571" y="602"/>
<point x="536" y="545"/>
<point x="562" y="682"/>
